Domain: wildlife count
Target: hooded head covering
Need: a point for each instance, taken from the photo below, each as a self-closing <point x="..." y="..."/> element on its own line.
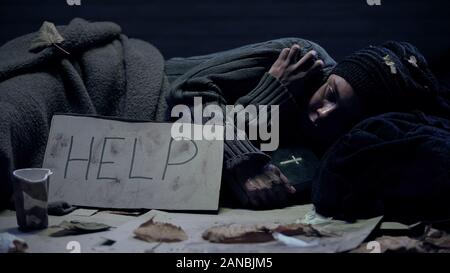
<point x="391" y="77"/>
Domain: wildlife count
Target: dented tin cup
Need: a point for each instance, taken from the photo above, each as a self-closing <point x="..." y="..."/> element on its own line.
<point x="31" y="197"/>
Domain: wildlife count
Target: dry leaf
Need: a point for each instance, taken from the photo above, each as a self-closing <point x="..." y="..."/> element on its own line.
<point x="298" y="229"/>
<point x="152" y="231"/>
<point x="389" y="62"/>
<point x="66" y="228"/>
<point x="236" y="233"/>
<point x="10" y="243"/>
<point x="437" y="238"/>
<point x="257" y="233"/>
<point x="399" y="244"/>
<point x="46" y="36"/>
<point x="392" y="244"/>
<point x="412" y="60"/>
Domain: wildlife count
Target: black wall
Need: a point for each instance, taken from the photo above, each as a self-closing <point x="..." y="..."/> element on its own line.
<point x="183" y="28"/>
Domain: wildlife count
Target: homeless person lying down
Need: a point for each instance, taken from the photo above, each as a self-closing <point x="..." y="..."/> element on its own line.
<point x="378" y="119"/>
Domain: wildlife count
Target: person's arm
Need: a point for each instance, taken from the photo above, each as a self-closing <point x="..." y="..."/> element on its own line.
<point x="242" y="76"/>
<point x="269" y="187"/>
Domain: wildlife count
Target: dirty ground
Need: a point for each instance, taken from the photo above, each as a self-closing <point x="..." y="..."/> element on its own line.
<point x="130" y="232"/>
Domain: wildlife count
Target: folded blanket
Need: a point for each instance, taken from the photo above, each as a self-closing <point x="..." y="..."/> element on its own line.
<point x="106" y="74"/>
<point x="396" y="164"/>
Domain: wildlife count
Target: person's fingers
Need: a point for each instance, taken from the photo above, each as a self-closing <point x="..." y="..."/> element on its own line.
<point x="269" y="189"/>
<point x="274" y="173"/>
<point x="306" y="61"/>
<point x="262" y="195"/>
<point x="263" y="181"/>
<point x="287" y="184"/>
<point x="292" y="57"/>
<point x="277" y="194"/>
<point x="253" y="200"/>
<point x="272" y="168"/>
<point x="250" y="185"/>
<point x="268" y="177"/>
<point x="275" y="197"/>
<point x="259" y="199"/>
<point x="317" y="66"/>
<point x="283" y="54"/>
<point x="274" y="178"/>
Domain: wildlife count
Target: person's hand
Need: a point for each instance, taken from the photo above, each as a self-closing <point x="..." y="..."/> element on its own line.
<point x="268" y="189"/>
<point x="291" y="72"/>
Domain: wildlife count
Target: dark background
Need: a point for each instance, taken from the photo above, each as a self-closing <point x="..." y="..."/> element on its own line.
<point x="185" y="28"/>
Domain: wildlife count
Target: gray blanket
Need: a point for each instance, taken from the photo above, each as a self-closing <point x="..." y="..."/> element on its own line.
<point x="105" y="74"/>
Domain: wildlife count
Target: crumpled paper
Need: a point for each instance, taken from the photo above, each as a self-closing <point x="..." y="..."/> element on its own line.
<point x="313" y="218"/>
<point x="47" y="36"/>
<point x="437" y="238"/>
<point x="431" y="241"/>
<point x="66" y="228"/>
<point x="293" y="242"/>
<point x="152" y="231"/>
<point x="257" y="233"/>
<point x="385" y="244"/>
<point x="10" y="243"/>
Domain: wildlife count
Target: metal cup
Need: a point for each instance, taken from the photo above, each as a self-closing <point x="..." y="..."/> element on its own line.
<point x="31" y="197"/>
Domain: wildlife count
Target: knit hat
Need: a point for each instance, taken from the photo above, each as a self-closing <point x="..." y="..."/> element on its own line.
<point x="391" y="77"/>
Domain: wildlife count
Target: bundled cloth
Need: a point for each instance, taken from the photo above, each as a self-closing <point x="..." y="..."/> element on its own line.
<point x="395" y="164"/>
<point x="85" y="68"/>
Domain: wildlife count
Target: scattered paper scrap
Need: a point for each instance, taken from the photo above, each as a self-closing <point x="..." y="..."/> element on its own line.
<point x="298" y="229"/>
<point x="126" y="213"/>
<point x="66" y="228"/>
<point x="313" y="218"/>
<point x="412" y="60"/>
<point x="11" y="244"/>
<point x="237" y="233"/>
<point x="293" y="242"/>
<point x="257" y="233"/>
<point x="152" y="231"/>
<point x="336" y="236"/>
<point x="391" y="244"/>
<point x="389" y="62"/>
<point x="399" y="229"/>
<point x="399" y="244"/>
<point x="84" y="212"/>
<point x="437" y="238"/>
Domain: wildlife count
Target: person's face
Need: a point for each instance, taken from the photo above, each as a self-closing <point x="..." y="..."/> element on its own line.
<point x="332" y="110"/>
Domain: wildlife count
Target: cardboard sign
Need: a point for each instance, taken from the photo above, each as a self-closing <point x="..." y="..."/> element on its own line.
<point x="101" y="162"/>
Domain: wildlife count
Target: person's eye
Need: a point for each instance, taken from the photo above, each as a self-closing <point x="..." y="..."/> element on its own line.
<point x="331" y="94"/>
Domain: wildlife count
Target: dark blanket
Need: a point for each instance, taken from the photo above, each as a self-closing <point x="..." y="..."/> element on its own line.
<point x="106" y="74"/>
<point x="396" y="164"/>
